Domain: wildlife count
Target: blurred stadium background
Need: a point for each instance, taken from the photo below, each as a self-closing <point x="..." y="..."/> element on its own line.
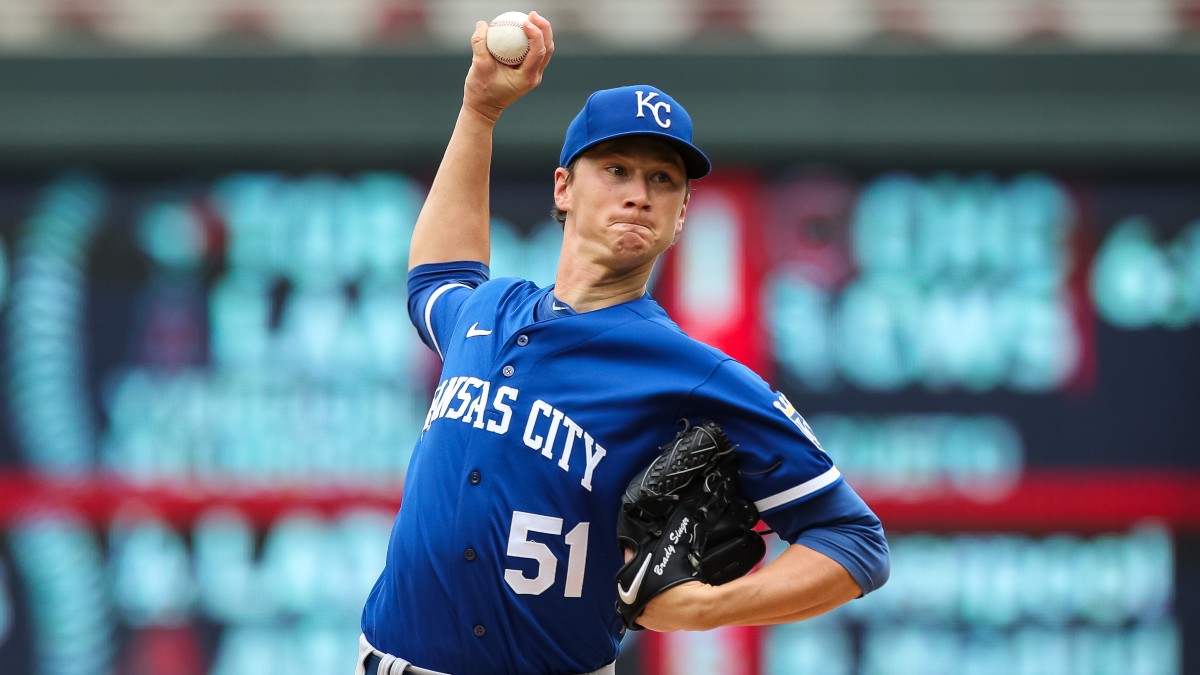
<point x="963" y="236"/>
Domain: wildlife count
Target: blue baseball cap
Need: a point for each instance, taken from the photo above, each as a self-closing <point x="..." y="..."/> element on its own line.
<point x="636" y="110"/>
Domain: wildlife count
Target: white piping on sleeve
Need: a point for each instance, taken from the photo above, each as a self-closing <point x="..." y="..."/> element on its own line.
<point x="429" y="315"/>
<point x="804" y="489"/>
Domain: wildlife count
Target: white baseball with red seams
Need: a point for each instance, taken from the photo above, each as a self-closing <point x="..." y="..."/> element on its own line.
<point x="506" y="39"/>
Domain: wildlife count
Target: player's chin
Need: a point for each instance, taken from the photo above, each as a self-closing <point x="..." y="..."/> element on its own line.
<point x="634" y="259"/>
<point x="632" y="244"/>
<point x="639" y="241"/>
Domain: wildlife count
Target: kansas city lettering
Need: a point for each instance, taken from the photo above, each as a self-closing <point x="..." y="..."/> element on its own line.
<point x="466" y="399"/>
<point x="547" y="429"/>
<point x="550" y="421"/>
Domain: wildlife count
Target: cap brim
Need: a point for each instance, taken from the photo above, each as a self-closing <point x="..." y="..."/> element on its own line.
<point x="695" y="162"/>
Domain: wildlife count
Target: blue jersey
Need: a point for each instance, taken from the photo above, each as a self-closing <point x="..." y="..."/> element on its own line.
<point x="503" y="555"/>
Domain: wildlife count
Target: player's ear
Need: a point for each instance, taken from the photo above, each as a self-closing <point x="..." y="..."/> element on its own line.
<point x="562" y="179"/>
<point x="682" y="214"/>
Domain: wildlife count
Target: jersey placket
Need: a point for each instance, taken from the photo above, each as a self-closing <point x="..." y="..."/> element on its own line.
<point x="477" y="517"/>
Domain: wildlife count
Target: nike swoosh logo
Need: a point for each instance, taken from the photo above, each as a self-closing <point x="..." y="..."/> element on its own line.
<point x="628" y="596"/>
<point x="474" y="331"/>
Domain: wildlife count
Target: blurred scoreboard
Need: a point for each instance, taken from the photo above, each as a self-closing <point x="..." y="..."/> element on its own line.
<point x="211" y="390"/>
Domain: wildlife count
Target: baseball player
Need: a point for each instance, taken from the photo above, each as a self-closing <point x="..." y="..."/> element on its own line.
<point x="503" y="555"/>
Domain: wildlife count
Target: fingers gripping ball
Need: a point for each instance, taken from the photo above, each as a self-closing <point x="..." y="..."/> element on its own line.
<point x="684" y="519"/>
<point x="506" y="39"/>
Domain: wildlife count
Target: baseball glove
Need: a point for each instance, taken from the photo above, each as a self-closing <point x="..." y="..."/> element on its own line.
<point x="684" y="520"/>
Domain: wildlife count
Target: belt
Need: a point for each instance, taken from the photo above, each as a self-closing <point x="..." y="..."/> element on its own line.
<point x="373" y="661"/>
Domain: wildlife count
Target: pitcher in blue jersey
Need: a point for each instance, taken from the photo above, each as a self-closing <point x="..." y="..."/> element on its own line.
<point x="503" y="554"/>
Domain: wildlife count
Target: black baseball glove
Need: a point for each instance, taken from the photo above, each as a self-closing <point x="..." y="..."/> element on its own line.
<point x="684" y="520"/>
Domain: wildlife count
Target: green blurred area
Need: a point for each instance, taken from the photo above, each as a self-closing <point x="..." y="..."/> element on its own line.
<point x="1058" y="109"/>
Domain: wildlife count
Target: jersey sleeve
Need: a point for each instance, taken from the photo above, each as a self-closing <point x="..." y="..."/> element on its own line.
<point x="839" y="524"/>
<point x="793" y="482"/>
<point x="781" y="461"/>
<point x="436" y="293"/>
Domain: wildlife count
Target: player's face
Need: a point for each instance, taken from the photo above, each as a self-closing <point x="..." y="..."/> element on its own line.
<point x="625" y="201"/>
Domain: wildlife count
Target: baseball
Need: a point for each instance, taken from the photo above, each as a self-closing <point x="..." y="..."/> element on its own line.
<point x="506" y="38"/>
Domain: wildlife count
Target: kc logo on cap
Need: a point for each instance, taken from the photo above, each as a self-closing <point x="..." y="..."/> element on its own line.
<point x="606" y="116"/>
<point x="644" y="102"/>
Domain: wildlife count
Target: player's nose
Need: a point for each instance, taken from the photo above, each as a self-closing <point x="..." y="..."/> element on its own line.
<point x="637" y="194"/>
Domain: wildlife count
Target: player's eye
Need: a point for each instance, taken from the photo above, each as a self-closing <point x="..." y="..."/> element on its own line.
<point x="616" y="170"/>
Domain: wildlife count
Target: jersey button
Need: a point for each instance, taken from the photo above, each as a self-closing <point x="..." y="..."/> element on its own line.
<point x="475" y="477"/>
<point x="522" y="340"/>
<point x="479" y="631"/>
<point x="469" y="554"/>
<point x="508" y="371"/>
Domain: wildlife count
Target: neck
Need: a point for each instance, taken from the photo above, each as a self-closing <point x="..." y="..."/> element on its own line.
<point x="588" y="288"/>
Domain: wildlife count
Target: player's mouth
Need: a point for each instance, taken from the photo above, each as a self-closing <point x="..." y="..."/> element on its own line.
<point x="630" y="225"/>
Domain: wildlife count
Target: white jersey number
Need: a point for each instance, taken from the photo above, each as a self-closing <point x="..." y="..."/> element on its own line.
<point x="520" y="546"/>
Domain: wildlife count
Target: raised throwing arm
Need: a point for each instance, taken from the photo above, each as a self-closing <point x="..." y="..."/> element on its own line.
<point x="453" y="223"/>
